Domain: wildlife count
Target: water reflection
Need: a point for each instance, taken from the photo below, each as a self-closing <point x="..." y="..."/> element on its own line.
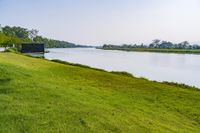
<point x="40" y="55"/>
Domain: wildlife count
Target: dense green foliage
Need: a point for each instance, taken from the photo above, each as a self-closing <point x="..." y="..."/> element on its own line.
<point x="9" y="41"/>
<point x="37" y="95"/>
<point x="16" y="31"/>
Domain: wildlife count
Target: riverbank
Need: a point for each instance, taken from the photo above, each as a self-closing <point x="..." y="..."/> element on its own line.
<point x="178" y="68"/>
<point x="178" y="51"/>
<point x="37" y="95"/>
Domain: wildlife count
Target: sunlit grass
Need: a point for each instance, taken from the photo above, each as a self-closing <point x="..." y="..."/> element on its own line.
<point x="37" y="95"/>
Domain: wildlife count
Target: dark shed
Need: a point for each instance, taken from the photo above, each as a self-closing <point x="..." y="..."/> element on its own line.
<point x="32" y="48"/>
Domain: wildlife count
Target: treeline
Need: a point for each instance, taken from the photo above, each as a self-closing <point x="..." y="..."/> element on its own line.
<point x="51" y="43"/>
<point x="156" y="44"/>
<point x="14" y="36"/>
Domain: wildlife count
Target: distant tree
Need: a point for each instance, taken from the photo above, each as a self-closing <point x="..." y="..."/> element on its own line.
<point x="33" y="33"/>
<point x="16" y="31"/>
<point x="3" y="38"/>
<point x="51" y="43"/>
<point x="186" y="44"/>
<point x="11" y="42"/>
<point x="14" y="35"/>
<point x="21" y="32"/>
<point x="183" y="45"/>
<point x="7" y="30"/>
<point x="195" y="46"/>
<point x="39" y="39"/>
<point x="155" y="43"/>
<point x="165" y="44"/>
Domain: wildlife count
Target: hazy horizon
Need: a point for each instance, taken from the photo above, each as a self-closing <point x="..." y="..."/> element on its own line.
<point x="95" y="22"/>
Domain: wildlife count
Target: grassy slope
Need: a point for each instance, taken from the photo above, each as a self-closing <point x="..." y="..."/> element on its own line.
<point x="42" y="96"/>
<point x="181" y="51"/>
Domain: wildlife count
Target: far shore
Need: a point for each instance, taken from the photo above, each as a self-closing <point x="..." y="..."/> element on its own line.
<point x="178" y="51"/>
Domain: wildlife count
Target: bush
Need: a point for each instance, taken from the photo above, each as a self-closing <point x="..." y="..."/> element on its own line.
<point x="180" y="85"/>
<point x="13" y="50"/>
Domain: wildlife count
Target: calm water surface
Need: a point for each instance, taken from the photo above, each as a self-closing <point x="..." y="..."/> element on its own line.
<point x="181" y="68"/>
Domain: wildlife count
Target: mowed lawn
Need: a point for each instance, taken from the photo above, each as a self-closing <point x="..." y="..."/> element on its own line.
<point x="41" y="96"/>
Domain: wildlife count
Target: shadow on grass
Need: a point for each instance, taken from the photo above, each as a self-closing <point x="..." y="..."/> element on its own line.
<point x="78" y="65"/>
<point x="6" y="90"/>
<point x="5" y="80"/>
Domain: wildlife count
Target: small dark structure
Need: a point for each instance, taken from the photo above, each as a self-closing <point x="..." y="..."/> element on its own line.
<point x="32" y="48"/>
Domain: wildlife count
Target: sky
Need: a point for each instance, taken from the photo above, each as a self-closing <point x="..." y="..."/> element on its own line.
<point x="96" y="22"/>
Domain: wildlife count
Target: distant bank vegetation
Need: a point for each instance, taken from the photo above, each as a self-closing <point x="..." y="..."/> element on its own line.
<point x="157" y="46"/>
<point x="15" y="36"/>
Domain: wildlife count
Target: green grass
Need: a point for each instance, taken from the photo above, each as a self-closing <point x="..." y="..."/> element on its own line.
<point x="41" y="96"/>
<point x="178" y="51"/>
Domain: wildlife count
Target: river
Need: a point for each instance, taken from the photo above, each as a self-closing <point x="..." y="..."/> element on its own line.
<point x="181" y="68"/>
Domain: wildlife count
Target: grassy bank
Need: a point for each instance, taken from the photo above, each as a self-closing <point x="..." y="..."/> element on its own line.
<point x="179" y="51"/>
<point x="37" y="95"/>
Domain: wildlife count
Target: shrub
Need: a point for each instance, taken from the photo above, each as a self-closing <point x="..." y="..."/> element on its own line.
<point x="180" y="85"/>
<point x="13" y="50"/>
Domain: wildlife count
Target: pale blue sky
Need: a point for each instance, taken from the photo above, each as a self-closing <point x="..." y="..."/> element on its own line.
<point x="106" y="21"/>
